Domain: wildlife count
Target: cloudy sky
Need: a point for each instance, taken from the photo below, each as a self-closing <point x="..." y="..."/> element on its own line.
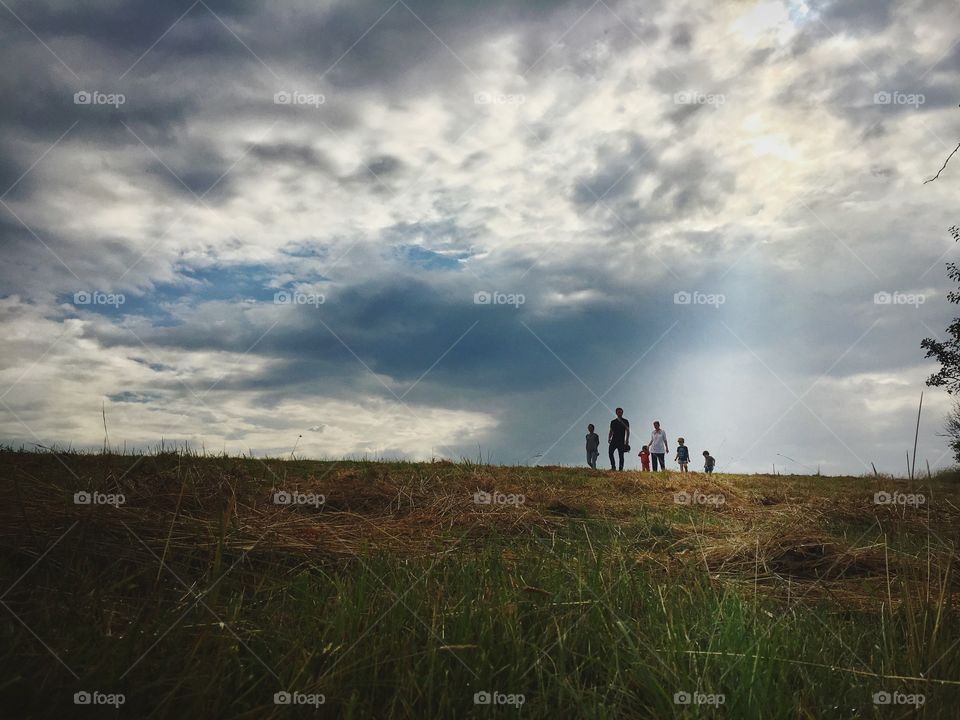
<point x="440" y="229"/>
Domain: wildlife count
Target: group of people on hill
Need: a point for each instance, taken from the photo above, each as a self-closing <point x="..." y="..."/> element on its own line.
<point x="618" y="439"/>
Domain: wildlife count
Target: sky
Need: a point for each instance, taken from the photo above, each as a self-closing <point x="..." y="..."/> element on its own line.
<point x="427" y="229"/>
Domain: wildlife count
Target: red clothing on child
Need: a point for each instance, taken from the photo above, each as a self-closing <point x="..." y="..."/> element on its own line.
<point x="645" y="460"/>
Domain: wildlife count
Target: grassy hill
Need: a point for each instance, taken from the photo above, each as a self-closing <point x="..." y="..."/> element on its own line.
<point x="187" y="585"/>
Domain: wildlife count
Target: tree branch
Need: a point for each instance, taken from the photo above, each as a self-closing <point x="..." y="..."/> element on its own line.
<point x="944" y="165"/>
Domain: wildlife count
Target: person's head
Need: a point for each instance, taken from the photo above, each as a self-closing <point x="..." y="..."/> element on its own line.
<point x="643" y="449"/>
<point x="679" y="441"/>
<point x="706" y="453"/>
<point x="619" y="412"/>
<point x="590" y="427"/>
<point x="656" y="424"/>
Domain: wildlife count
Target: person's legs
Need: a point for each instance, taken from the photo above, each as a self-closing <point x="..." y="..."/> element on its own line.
<point x="620" y="450"/>
<point x="658" y="458"/>
<point x="610" y="453"/>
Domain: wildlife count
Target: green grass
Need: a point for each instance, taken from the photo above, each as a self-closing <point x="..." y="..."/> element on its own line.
<point x="605" y="613"/>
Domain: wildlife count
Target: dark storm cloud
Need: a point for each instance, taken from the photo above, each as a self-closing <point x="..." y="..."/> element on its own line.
<point x="376" y="171"/>
<point x="399" y="329"/>
<point x="620" y="161"/>
<point x="681" y="36"/>
<point x="856" y="16"/>
<point x="287" y="154"/>
<point x="694" y="183"/>
<point x="132" y="25"/>
<point x="312" y="38"/>
<point x="683" y="113"/>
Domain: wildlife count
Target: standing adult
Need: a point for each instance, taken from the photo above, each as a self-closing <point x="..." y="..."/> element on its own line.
<point x="618" y="437"/>
<point x="658" y="446"/>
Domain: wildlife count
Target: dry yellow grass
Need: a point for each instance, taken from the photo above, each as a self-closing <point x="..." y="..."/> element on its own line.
<point x="775" y="535"/>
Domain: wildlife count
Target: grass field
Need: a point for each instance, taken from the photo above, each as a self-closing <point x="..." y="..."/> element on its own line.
<point x="385" y="590"/>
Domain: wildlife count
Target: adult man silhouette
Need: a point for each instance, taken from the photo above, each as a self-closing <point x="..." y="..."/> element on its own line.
<point x="618" y="437"/>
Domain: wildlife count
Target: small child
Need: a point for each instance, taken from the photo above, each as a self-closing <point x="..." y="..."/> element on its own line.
<point x="593" y="447"/>
<point x="683" y="455"/>
<point x="708" y="462"/>
<point x="644" y="458"/>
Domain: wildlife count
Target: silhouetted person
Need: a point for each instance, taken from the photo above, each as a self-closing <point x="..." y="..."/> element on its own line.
<point x="618" y="437"/>
<point x="593" y="447"/>
<point x="645" y="459"/>
<point x="658" y="446"/>
<point x="683" y="455"/>
<point x="709" y="462"/>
